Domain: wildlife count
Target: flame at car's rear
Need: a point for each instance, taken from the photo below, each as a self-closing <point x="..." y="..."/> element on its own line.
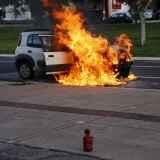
<point x="94" y="57"/>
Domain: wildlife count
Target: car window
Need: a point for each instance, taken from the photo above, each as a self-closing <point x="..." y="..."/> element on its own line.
<point x="19" y="40"/>
<point x="34" y="41"/>
<point x="114" y="15"/>
<point x="29" y="41"/>
<point x="47" y="42"/>
<point x="121" y="15"/>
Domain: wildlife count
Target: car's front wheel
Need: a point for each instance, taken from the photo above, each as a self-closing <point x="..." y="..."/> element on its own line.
<point x="25" y="70"/>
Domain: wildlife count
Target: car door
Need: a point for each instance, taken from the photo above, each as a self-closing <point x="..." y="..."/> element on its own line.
<point x="34" y="47"/>
<point x="57" y="61"/>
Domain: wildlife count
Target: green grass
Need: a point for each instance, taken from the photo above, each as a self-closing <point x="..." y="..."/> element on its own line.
<point x="151" y="48"/>
<point x="9" y="37"/>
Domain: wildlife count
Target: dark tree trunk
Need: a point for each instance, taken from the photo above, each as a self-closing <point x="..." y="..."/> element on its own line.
<point x="40" y="19"/>
<point x="143" y="29"/>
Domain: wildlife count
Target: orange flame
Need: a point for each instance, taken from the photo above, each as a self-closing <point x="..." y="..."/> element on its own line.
<point x="94" y="57"/>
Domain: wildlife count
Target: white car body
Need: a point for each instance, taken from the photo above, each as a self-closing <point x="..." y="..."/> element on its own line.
<point x="31" y="51"/>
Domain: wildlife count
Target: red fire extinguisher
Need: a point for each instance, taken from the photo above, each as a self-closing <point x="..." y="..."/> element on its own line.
<point x="87" y="141"/>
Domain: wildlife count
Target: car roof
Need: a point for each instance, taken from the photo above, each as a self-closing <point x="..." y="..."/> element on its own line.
<point x="37" y="30"/>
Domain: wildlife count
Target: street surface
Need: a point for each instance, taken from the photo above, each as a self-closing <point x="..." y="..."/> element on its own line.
<point x="9" y="151"/>
<point x="147" y="71"/>
<point x="123" y="120"/>
<point x="7" y="65"/>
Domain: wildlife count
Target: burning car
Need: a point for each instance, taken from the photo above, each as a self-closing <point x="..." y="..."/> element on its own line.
<point x="92" y="59"/>
<point x="94" y="56"/>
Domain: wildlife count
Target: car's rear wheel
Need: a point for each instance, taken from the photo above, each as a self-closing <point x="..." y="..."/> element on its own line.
<point x="25" y="70"/>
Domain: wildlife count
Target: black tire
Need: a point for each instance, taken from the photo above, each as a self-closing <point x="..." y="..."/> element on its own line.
<point x="25" y="70"/>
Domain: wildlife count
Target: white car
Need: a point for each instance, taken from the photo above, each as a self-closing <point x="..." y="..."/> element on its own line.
<point x="34" y="54"/>
<point x="148" y="14"/>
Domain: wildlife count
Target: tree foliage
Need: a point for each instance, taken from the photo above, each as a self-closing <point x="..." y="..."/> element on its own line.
<point x="138" y="7"/>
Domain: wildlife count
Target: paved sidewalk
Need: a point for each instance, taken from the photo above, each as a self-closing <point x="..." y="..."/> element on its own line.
<point x="132" y="100"/>
<point x="9" y="151"/>
<point x="52" y="116"/>
<point x="114" y="138"/>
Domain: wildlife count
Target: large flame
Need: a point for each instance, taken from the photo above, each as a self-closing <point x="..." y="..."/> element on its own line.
<point x="94" y="56"/>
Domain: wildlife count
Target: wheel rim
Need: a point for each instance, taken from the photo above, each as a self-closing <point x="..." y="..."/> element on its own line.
<point x="25" y="71"/>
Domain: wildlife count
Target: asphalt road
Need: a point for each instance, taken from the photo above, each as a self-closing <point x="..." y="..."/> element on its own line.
<point x="7" y="65"/>
<point x="148" y="73"/>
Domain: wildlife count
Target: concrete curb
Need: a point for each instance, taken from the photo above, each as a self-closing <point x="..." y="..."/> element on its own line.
<point x="7" y="55"/>
<point x="135" y="58"/>
<point x="4" y="82"/>
<point x="147" y="58"/>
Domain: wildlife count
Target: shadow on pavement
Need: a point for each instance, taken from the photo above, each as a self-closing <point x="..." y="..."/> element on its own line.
<point x="14" y="79"/>
<point x="11" y="151"/>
